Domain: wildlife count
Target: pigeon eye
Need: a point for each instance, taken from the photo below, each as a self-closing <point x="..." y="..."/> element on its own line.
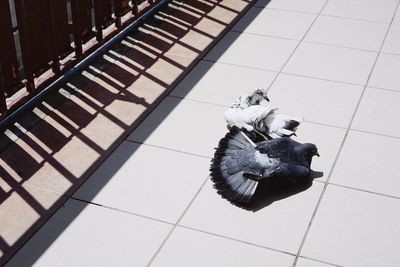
<point x="257" y="101"/>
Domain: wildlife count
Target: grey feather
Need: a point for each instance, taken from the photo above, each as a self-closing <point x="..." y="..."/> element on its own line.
<point x="239" y="165"/>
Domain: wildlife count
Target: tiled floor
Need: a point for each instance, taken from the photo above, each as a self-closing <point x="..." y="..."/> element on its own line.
<point x="334" y="62"/>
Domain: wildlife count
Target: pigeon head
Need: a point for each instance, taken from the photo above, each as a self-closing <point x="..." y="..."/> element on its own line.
<point x="306" y="152"/>
<point x="258" y="97"/>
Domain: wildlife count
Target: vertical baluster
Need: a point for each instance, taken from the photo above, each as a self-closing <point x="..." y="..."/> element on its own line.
<point x="26" y="55"/>
<point x="55" y="64"/>
<point x="77" y="35"/>
<point x="82" y="25"/>
<point x="118" y="13"/>
<point x="8" y="54"/>
<point x="103" y="16"/>
<point x="135" y="7"/>
<point x="3" y="106"/>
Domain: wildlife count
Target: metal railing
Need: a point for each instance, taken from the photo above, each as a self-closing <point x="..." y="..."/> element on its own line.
<point x="40" y="40"/>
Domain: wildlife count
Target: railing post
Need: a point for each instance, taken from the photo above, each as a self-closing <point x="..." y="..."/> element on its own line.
<point x="8" y="56"/>
<point x="24" y="40"/>
<point x="135" y="7"/>
<point x="103" y="16"/>
<point x="55" y="65"/>
<point x="82" y="25"/>
<point x="3" y="104"/>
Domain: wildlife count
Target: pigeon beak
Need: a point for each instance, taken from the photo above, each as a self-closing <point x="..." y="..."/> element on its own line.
<point x="317" y="154"/>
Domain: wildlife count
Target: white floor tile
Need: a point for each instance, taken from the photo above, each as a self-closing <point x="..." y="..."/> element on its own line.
<point x="208" y="82"/>
<point x="373" y="169"/>
<point x="396" y="19"/>
<point x="250" y="50"/>
<point x="386" y="72"/>
<point x="354" y="228"/>
<point x="311" y="263"/>
<point x="348" y="33"/>
<point x="378" y="112"/>
<point x="332" y="63"/>
<point x="95" y="237"/>
<point x="277" y="23"/>
<point x="183" y="125"/>
<point x="328" y="141"/>
<point x="379" y="11"/>
<point x="316" y="100"/>
<point x="191" y="248"/>
<point x="392" y="42"/>
<point x="271" y="226"/>
<point x="146" y="180"/>
<point x="311" y="6"/>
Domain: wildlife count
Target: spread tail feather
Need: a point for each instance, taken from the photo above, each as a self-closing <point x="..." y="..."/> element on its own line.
<point x="228" y="179"/>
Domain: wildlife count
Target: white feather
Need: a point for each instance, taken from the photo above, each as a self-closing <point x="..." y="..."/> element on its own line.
<point x="261" y="117"/>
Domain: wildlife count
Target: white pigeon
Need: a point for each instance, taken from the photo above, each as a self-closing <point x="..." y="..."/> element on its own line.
<point x="253" y="113"/>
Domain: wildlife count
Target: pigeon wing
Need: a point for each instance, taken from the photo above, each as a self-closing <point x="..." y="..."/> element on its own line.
<point x="258" y="166"/>
<point x="283" y="150"/>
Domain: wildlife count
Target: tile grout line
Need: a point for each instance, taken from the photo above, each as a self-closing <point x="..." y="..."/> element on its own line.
<point x="311" y="42"/>
<point x="121" y="210"/>
<point x="282" y="72"/>
<point x="355" y="19"/>
<point x="384" y="89"/>
<point x="249" y="243"/>
<point x="391" y="53"/>
<point x="358" y="189"/>
<point x="378" y="134"/>
<point x="235" y="239"/>
<point x="324" y="15"/>
<point x="365" y="191"/>
<point x="177" y="222"/>
<point x="321" y="261"/>
<point x="342" y="143"/>
<point x="168" y="148"/>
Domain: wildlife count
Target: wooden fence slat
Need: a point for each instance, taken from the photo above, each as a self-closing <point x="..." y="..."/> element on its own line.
<point x="8" y="57"/>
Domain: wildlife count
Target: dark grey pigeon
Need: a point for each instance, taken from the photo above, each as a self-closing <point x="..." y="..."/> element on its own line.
<point x="239" y="164"/>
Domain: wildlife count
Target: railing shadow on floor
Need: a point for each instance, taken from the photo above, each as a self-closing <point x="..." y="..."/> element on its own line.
<point x="40" y="170"/>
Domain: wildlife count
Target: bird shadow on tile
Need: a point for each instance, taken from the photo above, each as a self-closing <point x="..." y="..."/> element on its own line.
<point x="270" y="192"/>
